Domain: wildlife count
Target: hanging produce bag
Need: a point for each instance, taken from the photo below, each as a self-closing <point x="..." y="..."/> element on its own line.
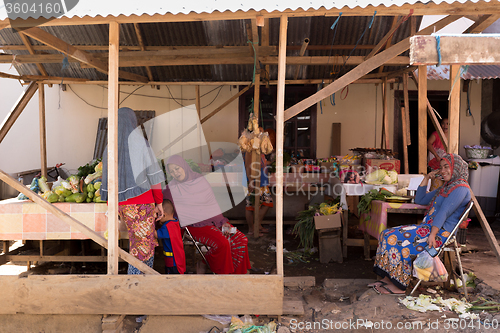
<point x="427" y="268"/>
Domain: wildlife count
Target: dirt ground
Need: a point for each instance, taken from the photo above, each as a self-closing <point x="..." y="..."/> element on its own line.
<point x="340" y="299"/>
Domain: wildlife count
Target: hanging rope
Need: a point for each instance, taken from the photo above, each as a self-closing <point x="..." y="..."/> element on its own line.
<point x="254" y="58"/>
<point x="438" y="49"/>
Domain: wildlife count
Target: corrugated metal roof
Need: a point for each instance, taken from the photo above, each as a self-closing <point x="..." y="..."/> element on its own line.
<point x="473" y="72"/>
<point x="95" y="8"/>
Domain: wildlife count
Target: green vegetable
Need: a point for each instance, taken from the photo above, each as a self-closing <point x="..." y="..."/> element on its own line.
<point x="97" y="185"/>
<point x="61" y="198"/>
<point x="74" y="181"/>
<point x="394" y="176"/>
<point x="76" y="197"/>
<point x="89" y="199"/>
<point x="305" y="228"/>
<point x="90" y="195"/>
<point x="364" y="205"/>
<point x="88" y="168"/>
<point x="60" y="190"/>
<point x="97" y="199"/>
<point x="376" y="177"/>
<point x="90" y="188"/>
<point x="50" y="196"/>
<point x="42" y="182"/>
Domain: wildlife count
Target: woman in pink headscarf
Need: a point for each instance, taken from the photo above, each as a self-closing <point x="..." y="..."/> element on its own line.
<point x="196" y="207"/>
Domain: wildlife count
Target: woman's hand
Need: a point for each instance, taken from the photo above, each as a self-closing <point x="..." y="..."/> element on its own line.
<point x="431" y="240"/>
<point x="226" y="226"/>
<point x="158" y="211"/>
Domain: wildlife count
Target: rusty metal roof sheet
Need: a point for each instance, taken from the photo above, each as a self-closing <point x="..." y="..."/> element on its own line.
<point x="473" y="72"/>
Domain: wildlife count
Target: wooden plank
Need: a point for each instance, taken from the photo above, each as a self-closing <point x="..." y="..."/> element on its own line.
<point x="28" y="45"/>
<point x="140" y="39"/>
<point x="113" y="102"/>
<point x="407" y="108"/>
<point x="73" y="52"/>
<point x="56" y="258"/>
<point x="405" y="140"/>
<point x="198" y="100"/>
<point x="265" y="43"/>
<point x="117" y="294"/>
<point x="280" y="123"/>
<point x="21" y="103"/>
<point x="385" y="115"/>
<point x="336" y="139"/>
<point x="363" y="69"/>
<point x="42" y="78"/>
<point x="422" y="119"/>
<point x="459" y="50"/>
<point x="43" y="136"/>
<point x="435" y="121"/>
<point x="419" y="9"/>
<point x="454" y="109"/>
<point x="482" y="23"/>
<point x="396" y="24"/>
<point x="389" y="41"/>
<point x="72" y="221"/>
<point x="490" y="236"/>
<point x="302" y="51"/>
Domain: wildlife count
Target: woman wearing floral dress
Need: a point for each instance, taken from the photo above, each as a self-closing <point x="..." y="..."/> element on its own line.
<point x="399" y="246"/>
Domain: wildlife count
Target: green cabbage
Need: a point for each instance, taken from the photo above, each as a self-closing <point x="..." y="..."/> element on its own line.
<point x="394" y="176"/>
<point x="376" y="177"/>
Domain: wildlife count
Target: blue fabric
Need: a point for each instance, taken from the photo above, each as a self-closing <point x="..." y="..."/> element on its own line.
<point x="138" y="167"/>
<point x="446" y="210"/>
<point x="134" y="271"/>
<point x="164" y="235"/>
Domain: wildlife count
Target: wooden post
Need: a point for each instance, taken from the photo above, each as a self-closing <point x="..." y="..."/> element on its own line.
<point x="454" y="109"/>
<point x="407" y="107"/>
<point x="113" y="95"/>
<point x="490" y="236"/>
<point x="198" y="134"/>
<point x="422" y="119"/>
<point x="405" y="140"/>
<point x="43" y="141"/>
<point x="385" y="116"/>
<point x="256" y="161"/>
<point x="280" y="128"/>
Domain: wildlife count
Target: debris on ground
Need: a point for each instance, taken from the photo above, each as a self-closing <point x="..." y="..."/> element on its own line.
<point x="247" y="326"/>
<point x="424" y="303"/>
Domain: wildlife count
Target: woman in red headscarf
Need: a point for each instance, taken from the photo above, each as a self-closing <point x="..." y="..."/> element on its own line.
<point x="399" y="246"/>
<point x="196" y="207"/>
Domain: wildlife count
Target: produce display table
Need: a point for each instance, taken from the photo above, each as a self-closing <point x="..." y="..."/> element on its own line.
<point x="374" y="224"/>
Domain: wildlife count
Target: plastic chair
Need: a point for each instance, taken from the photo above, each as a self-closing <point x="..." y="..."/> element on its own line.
<point x="452" y="245"/>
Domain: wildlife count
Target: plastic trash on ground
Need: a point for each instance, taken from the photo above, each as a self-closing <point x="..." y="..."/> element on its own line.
<point x="425" y="303"/>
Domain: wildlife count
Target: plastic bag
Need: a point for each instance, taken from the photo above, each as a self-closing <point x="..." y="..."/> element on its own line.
<point x="427" y="268"/>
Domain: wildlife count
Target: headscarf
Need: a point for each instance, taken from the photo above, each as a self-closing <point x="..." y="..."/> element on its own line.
<point x="459" y="176"/>
<point x="138" y="168"/>
<point x="193" y="198"/>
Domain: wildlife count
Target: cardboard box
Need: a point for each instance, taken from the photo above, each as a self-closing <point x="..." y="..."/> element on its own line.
<point x="328" y="221"/>
<point x="388" y="165"/>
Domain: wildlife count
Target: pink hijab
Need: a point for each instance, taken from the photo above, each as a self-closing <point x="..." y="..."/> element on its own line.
<point x="193" y="198"/>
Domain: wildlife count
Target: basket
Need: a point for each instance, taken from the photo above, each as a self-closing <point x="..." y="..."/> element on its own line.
<point x="477" y="152"/>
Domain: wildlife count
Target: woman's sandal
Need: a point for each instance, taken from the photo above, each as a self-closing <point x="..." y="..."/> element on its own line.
<point x="389" y="291"/>
<point x="376" y="283"/>
<point x="250" y="234"/>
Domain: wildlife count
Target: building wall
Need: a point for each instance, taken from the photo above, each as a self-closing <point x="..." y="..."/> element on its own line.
<point x="72" y="123"/>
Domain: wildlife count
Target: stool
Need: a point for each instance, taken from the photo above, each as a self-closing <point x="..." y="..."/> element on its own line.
<point x="330" y="247"/>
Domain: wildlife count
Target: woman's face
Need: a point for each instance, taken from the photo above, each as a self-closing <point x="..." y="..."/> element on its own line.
<point x="446" y="172"/>
<point x="177" y="172"/>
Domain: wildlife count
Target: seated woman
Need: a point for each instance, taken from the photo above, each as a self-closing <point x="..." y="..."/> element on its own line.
<point x="196" y="207"/>
<point x="399" y="246"/>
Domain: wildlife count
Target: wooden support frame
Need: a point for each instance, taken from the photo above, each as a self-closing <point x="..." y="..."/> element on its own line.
<point x="73" y="52"/>
<point x="28" y="45"/>
<point x="454" y="109"/>
<point x="140" y="39"/>
<point x="302" y="51"/>
<point x="17" y="110"/>
<point x="363" y="69"/>
<point x="280" y="130"/>
<point x="43" y="137"/>
<point x="422" y="119"/>
<point x="484" y="22"/>
<point x="113" y="102"/>
<point x="385" y="116"/>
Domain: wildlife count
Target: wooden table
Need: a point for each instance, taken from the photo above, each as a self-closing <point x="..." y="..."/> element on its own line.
<point x="376" y="222"/>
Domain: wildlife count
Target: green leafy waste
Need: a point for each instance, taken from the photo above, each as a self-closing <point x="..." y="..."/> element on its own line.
<point x="364" y="205"/>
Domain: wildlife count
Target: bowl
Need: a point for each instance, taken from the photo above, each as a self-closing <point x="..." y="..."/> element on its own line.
<point x="411" y="193"/>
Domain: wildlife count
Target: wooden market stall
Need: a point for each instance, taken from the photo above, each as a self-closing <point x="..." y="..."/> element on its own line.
<point x="263" y="294"/>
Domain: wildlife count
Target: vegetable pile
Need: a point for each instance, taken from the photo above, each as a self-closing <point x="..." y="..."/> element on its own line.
<point x="381" y="176"/>
<point x="73" y="189"/>
<point x="365" y="201"/>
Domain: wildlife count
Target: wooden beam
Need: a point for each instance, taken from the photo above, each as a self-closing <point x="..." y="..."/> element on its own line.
<point x="395" y="25"/>
<point x="389" y="40"/>
<point x="460" y="50"/>
<point x="435" y="121"/>
<point x="198" y="100"/>
<point x="490" y="236"/>
<point x="21" y="103"/>
<point x="265" y="43"/>
<point x="113" y="102"/>
<point x="280" y="130"/>
<point x="363" y="69"/>
<point x="405" y="140"/>
<point x="28" y="45"/>
<point x="385" y="116"/>
<point x="407" y="108"/>
<point x="140" y="39"/>
<point x="482" y="23"/>
<point x="74" y="223"/>
<point x="302" y="51"/>
<point x="117" y="294"/>
<point x="82" y="56"/>
<point x="422" y="119"/>
<point x="419" y="9"/>
<point x="43" y="138"/>
<point x="226" y="103"/>
<point x="454" y="109"/>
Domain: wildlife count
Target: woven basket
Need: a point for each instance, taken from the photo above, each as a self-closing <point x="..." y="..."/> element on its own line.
<point x="477" y="152"/>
